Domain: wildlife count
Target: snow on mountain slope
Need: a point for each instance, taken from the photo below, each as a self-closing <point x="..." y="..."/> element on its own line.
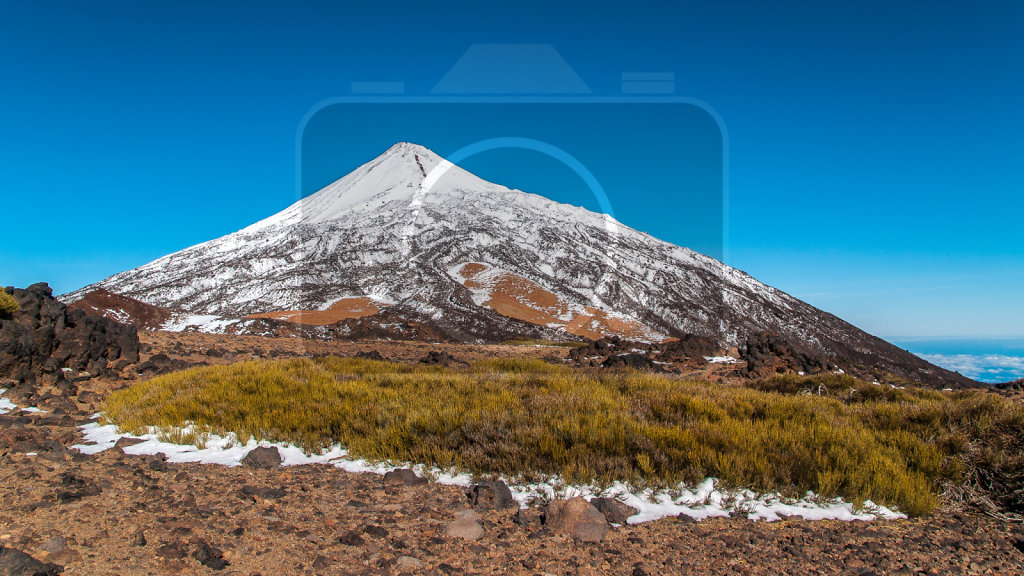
<point x="402" y="228"/>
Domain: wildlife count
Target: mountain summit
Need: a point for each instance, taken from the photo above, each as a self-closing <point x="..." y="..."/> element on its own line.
<point x="415" y="237"/>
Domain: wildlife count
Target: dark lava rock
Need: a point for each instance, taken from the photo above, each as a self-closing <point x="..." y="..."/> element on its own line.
<point x="375" y="531"/>
<point x="370" y="355"/>
<point x="17" y="563"/>
<point x="613" y="510"/>
<point x="529" y="518"/>
<point x="767" y="354"/>
<point x="161" y="363"/>
<point x="210" y="557"/>
<point x="631" y="360"/>
<point x="172" y="550"/>
<point x="76" y="488"/>
<point x="403" y="476"/>
<point x="263" y="457"/>
<point x="602" y="348"/>
<point x="44" y="336"/>
<point x="352" y="538"/>
<point x="434" y="357"/>
<point x="265" y="493"/>
<point x="1018" y="542"/>
<point x="124" y="442"/>
<point x="688" y="347"/>
<point x="491" y="496"/>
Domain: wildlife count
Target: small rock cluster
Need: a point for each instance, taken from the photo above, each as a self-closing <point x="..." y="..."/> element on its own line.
<point x="766" y="354"/>
<point x="615" y="352"/>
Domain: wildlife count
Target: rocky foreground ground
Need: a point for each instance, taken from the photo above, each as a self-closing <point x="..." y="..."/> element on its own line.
<point x="118" y="514"/>
<point x="62" y="511"/>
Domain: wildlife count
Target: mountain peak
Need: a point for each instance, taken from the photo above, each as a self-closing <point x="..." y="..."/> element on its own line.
<point x="407" y="149"/>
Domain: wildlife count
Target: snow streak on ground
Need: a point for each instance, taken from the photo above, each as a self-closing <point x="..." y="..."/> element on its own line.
<point x="703" y="501"/>
<point x="6" y="405"/>
<point x="721" y="359"/>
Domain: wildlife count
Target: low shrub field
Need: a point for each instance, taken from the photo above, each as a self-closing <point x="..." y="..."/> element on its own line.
<point x="527" y="420"/>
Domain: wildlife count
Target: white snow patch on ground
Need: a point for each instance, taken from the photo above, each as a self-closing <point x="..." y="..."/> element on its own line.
<point x="721" y="359"/>
<point x="705" y="500"/>
<point x="6" y="405"/>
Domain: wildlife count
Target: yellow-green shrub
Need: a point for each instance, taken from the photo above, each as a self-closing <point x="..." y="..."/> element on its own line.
<point x="8" y="305"/>
<point x="528" y="419"/>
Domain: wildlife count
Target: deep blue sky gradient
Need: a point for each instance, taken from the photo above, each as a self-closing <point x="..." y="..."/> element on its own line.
<point x="875" y="156"/>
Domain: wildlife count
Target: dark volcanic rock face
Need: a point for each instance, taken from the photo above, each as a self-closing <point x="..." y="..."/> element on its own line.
<point x="45" y="337"/>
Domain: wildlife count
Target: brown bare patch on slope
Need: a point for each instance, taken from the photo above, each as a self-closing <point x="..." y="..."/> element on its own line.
<point x="344" y="309"/>
<point x="519" y="297"/>
<point x="101" y="302"/>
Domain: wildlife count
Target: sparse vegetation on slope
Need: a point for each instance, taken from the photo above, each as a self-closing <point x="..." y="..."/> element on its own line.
<point x="528" y="420"/>
<point x="8" y="305"/>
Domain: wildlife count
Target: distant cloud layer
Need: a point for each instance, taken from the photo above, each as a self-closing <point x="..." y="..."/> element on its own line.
<point x="991" y="368"/>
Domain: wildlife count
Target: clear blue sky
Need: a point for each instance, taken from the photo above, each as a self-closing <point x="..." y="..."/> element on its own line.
<point x="875" y="149"/>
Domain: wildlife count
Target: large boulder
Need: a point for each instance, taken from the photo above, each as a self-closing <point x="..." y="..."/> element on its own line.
<point x="44" y="337"/>
<point x="263" y="457"/>
<point x="491" y="496"/>
<point x="613" y="510"/>
<point x="465" y="526"/>
<point x="577" y="518"/>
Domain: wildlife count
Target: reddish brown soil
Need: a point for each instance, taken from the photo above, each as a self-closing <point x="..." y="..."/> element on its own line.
<point x="356" y="307"/>
<point x="519" y="297"/>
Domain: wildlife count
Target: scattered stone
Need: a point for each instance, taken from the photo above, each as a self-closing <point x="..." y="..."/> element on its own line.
<point x="403" y="476"/>
<point x="161" y="363"/>
<point x="465" y="526"/>
<point x="491" y="496"/>
<point x="55" y="545"/>
<point x="577" y="518"/>
<point x="408" y="563"/>
<point x="352" y="538"/>
<point x="210" y="557"/>
<point x="1018" y="542"/>
<point x="139" y="538"/>
<point x="614" y="511"/>
<point x="528" y="518"/>
<point x="265" y="493"/>
<point x="124" y="442"/>
<point x="172" y="550"/>
<point x="262" y="457"/>
<point x="17" y="563"/>
<point x="375" y="531"/>
<point x="321" y="562"/>
<point x="78" y="488"/>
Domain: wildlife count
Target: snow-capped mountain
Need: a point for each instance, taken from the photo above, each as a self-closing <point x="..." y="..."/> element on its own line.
<point x="432" y="243"/>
